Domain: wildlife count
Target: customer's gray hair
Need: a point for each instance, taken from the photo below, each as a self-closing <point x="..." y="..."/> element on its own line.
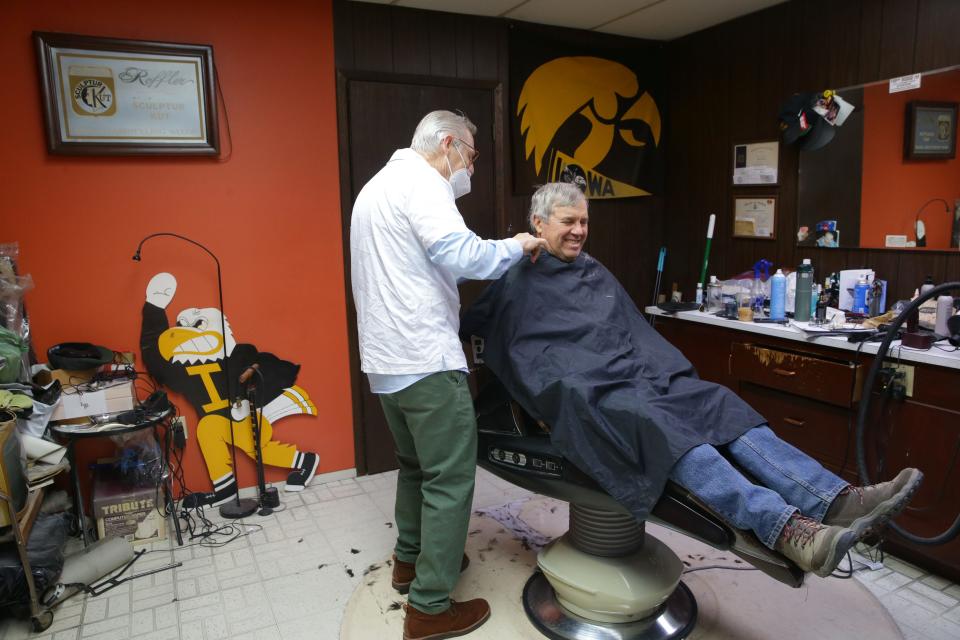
<point x="436" y="126"/>
<point x="552" y="195"/>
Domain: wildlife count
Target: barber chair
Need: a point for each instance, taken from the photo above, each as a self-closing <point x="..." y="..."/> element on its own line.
<point x="606" y="577"/>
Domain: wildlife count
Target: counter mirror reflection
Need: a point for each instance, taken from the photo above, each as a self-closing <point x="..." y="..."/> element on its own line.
<point x="875" y="186"/>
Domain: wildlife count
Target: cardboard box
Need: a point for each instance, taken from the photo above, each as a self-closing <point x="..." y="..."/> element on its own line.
<point x="112" y="399"/>
<point x="127" y="512"/>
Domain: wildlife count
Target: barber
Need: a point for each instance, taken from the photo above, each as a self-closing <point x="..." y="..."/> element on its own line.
<point x="409" y="246"/>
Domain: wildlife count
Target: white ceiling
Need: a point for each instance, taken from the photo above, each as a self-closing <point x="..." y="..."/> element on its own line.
<point x="650" y="19"/>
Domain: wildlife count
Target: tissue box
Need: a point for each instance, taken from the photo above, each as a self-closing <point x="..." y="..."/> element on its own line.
<point x="127" y="512"/>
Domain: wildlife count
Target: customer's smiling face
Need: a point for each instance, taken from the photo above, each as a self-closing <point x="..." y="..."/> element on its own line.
<point x="565" y="231"/>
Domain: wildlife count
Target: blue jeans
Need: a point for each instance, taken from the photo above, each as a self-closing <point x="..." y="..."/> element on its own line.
<point x="791" y="481"/>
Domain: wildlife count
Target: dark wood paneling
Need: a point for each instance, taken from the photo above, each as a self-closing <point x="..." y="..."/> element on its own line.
<point x="898" y="35"/>
<point x="411" y="43"/>
<point x="721" y="93"/>
<point x="871" y="20"/>
<point x="371" y="32"/>
<point x="934" y="51"/>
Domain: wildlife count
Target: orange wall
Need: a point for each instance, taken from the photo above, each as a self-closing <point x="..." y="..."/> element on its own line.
<point x="893" y="189"/>
<point x="270" y="211"/>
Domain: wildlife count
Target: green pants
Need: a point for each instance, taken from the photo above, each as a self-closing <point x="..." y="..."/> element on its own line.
<point x="435" y="431"/>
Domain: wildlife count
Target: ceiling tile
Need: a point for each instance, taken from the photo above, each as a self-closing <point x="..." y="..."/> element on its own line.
<point x="575" y="13"/>
<point x="471" y="7"/>
<point x="675" y="18"/>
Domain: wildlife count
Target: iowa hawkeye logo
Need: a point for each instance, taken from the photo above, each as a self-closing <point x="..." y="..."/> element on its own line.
<point x="585" y="120"/>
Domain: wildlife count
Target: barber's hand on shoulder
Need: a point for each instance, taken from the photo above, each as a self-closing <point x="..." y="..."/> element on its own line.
<point x="531" y="245"/>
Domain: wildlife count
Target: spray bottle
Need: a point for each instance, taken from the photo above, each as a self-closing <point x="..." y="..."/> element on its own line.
<point x="757" y="292"/>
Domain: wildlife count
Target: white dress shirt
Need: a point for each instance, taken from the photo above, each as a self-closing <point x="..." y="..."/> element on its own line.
<point x="409" y="245"/>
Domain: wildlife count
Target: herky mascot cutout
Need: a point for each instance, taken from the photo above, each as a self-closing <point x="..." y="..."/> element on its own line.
<point x="188" y="358"/>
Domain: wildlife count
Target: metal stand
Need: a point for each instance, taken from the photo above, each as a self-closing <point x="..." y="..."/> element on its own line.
<point x="255" y="418"/>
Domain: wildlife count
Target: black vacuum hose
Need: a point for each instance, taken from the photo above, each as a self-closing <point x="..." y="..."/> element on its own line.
<point x="954" y="529"/>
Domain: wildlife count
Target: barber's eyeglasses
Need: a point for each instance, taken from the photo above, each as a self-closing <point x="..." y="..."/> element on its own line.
<point x="476" y="154"/>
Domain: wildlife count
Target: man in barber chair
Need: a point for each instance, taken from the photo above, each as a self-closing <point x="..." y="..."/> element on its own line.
<point x="627" y="408"/>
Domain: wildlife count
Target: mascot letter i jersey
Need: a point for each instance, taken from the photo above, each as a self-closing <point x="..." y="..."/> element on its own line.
<point x="191" y="358"/>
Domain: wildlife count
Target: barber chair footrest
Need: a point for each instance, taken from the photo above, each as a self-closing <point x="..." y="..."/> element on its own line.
<point x="674" y="620"/>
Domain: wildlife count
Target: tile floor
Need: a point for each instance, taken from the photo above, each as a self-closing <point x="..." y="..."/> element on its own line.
<point x="291" y="579"/>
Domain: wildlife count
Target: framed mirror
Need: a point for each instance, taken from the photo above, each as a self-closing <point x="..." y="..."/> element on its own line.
<point x="890" y="177"/>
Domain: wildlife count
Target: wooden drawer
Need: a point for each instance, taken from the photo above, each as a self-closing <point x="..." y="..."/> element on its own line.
<point x="831" y="381"/>
<point x="820" y="430"/>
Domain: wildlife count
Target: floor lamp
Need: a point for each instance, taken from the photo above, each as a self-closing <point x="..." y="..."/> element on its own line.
<point x="236" y="508"/>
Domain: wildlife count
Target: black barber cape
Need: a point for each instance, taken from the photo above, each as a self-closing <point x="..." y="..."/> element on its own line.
<point x="622" y="403"/>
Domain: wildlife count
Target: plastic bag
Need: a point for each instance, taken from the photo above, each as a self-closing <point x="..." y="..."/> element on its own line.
<point x="140" y="461"/>
<point x="45" y="551"/>
<point x="13" y="317"/>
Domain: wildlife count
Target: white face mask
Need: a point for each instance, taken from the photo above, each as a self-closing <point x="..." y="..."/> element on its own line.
<point x="459" y="179"/>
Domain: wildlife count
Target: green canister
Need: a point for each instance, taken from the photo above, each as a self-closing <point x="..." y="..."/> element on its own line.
<point x="801" y="309"/>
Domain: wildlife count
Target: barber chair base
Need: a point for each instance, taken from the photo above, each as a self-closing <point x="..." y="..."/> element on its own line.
<point x="618" y="589"/>
<point x="673" y="620"/>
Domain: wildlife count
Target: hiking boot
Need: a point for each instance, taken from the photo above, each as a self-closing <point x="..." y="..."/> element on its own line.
<point x="405" y="572"/>
<point x="306" y="467"/>
<point x="460" y="619"/>
<point x="866" y="508"/>
<point x="813" y="546"/>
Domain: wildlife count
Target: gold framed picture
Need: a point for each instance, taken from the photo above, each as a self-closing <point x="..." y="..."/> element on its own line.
<point x="107" y="96"/>
<point x="755" y="217"/>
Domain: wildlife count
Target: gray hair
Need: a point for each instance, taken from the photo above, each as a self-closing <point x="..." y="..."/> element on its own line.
<point x="436" y="126"/>
<point x="552" y="195"/>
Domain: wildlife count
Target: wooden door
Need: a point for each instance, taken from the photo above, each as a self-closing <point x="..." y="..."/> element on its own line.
<point x="377" y="116"/>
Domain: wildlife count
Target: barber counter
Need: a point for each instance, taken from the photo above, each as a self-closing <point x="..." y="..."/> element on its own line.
<point x="810" y="390"/>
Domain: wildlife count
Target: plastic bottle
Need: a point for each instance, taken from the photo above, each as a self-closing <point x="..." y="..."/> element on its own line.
<point x="927" y="285"/>
<point x="714" y="295"/>
<point x="814" y="299"/>
<point x="944" y="311"/>
<point x="801" y="311"/>
<point x="860" y="304"/>
<point x="699" y="296"/>
<point x="821" y="315"/>
<point x="778" y="295"/>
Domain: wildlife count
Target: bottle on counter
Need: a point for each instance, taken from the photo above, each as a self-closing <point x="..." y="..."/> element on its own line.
<point x="801" y="309"/>
<point x="927" y="285"/>
<point x="860" y="294"/>
<point x="821" y="313"/>
<point x="778" y="296"/>
<point x="714" y="295"/>
<point x="944" y="311"/>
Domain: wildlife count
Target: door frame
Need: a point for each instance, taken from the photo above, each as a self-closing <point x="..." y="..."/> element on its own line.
<point x="344" y="78"/>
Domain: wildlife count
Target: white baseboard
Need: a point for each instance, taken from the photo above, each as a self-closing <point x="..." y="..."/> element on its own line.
<point x="320" y="478"/>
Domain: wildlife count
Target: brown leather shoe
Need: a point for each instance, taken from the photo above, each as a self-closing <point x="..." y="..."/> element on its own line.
<point x="460" y="619"/>
<point x="405" y="572"/>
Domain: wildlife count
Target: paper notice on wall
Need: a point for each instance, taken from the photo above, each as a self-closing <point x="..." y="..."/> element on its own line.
<point x="905" y="83"/>
<point x="755" y="163"/>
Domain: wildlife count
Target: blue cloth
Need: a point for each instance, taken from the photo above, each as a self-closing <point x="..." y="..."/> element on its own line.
<point x="468" y="258"/>
<point x="791" y="481"/>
